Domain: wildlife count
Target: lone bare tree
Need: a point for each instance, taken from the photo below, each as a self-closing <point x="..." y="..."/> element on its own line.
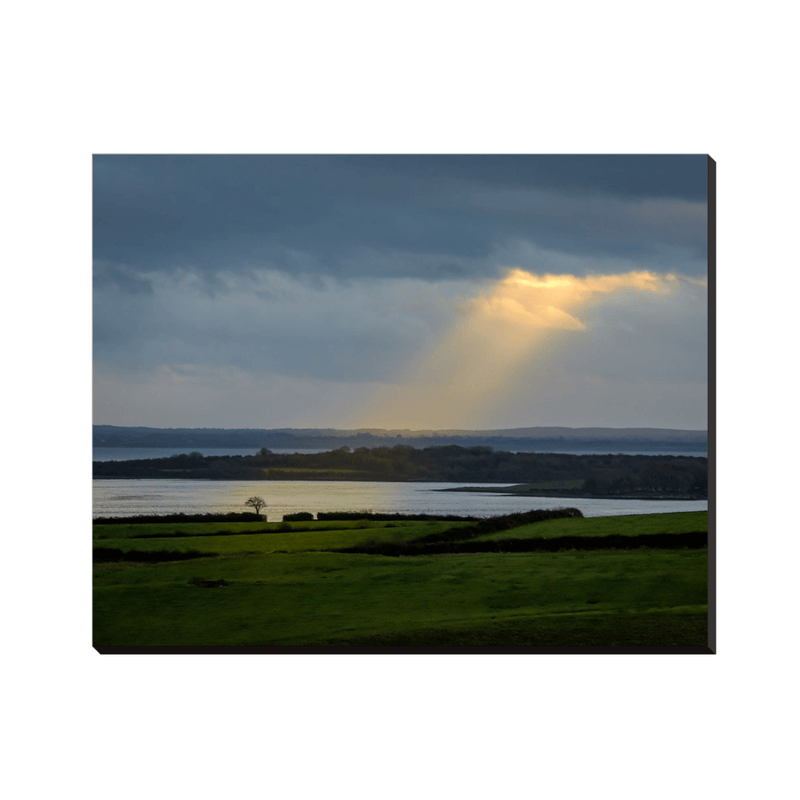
<point x="256" y="503"/>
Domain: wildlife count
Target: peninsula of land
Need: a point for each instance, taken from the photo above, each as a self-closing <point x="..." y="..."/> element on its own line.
<point x="536" y="474"/>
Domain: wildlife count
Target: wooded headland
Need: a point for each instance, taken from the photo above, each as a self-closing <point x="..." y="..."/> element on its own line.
<point x="543" y="474"/>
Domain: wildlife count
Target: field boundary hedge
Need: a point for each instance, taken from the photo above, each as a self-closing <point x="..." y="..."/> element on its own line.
<point x="654" y="541"/>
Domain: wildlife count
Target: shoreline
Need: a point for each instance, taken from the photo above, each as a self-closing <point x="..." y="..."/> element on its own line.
<point x="571" y="495"/>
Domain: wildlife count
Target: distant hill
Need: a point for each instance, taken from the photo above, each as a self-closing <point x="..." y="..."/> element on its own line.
<point x="503" y="439"/>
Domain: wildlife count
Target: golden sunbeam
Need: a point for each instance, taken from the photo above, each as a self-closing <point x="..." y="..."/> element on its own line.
<point x="523" y="316"/>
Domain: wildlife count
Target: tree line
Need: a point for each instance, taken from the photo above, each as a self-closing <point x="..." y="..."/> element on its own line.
<point x="596" y="475"/>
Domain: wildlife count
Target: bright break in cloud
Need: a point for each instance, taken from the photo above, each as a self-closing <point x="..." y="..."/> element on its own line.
<point x="511" y="340"/>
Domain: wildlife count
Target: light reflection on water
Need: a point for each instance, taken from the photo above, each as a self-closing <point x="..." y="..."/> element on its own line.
<point x="120" y="498"/>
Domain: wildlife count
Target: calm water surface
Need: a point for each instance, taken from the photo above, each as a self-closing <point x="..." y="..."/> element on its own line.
<point x="121" y="498"/>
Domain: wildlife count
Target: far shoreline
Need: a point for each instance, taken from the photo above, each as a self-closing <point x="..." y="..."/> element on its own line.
<point x="570" y="495"/>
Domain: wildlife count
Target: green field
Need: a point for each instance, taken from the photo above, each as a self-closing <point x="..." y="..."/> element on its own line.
<point x="632" y="525"/>
<point x="287" y="588"/>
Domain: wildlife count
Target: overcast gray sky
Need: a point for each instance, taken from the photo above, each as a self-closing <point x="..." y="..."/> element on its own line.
<point x="400" y="291"/>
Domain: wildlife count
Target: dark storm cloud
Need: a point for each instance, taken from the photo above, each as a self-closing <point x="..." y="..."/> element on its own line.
<point x="622" y="175"/>
<point x="110" y="275"/>
<point x="332" y="332"/>
<point x="431" y="217"/>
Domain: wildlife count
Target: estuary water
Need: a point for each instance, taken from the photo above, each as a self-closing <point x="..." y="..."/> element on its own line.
<point x="122" y="498"/>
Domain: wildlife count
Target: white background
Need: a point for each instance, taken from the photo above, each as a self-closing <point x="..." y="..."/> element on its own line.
<point x="359" y="77"/>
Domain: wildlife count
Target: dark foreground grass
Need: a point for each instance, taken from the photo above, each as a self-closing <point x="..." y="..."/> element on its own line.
<point x="303" y="599"/>
<point x="678" y="629"/>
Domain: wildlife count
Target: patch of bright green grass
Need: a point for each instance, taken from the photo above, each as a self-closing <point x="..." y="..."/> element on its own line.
<point x="308" y="536"/>
<point x="268" y="543"/>
<point x="161" y="529"/>
<point x="168" y="529"/>
<point x="629" y="525"/>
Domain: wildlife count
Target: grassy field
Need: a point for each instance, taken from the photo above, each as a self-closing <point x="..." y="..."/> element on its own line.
<point x="169" y="529"/>
<point x="258" y="586"/>
<point x="632" y="525"/>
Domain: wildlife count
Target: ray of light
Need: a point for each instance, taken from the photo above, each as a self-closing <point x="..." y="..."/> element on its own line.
<point x="522" y="317"/>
